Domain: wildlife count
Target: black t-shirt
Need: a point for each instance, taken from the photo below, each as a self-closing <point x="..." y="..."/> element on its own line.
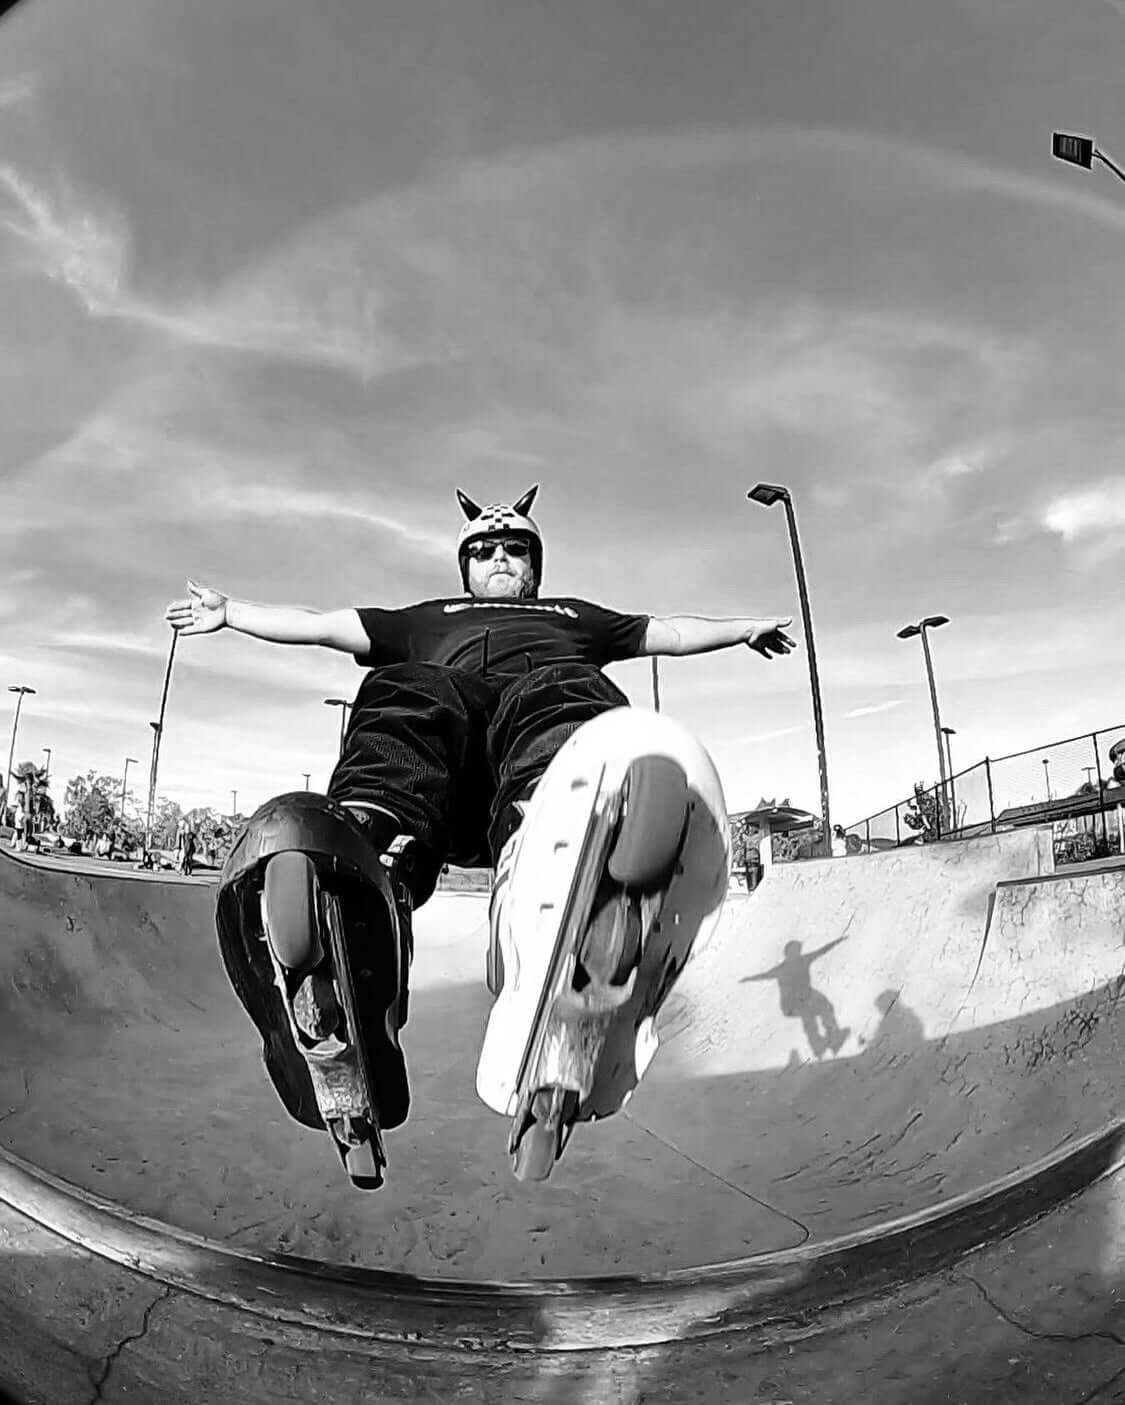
<point x="500" y="637"/>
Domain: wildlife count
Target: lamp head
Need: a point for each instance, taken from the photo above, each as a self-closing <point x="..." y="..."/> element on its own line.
<point x="768" y="493"/>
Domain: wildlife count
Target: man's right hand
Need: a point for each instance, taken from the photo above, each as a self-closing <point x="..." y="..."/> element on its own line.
<point x="203" y="612"/>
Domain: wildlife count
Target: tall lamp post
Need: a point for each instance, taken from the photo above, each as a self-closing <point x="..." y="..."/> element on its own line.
<point x="345" y="707"/>
<point x="47" y="768"/>
<point x="767" y="494"/>
<point x="157" y="735"/>
<point x="908" y="632"/>
<point x="306" y="775"/>
<point x="21" y="692"/>
<point x="1081" y="151"/>
<point x="948" y="732"/>
<point x="129" y="761"/>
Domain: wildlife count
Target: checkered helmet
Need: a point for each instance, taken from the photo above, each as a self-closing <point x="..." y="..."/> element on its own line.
<point x="499" y="520"/>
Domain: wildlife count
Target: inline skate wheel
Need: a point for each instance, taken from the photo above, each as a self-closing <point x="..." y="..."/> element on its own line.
<point x="648" y="839"/>
<point x="290" y="910"/>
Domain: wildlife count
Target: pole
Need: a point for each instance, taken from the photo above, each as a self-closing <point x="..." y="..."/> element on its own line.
<point x="124" y="787"/>
<point x="991" y="797"/>
<point x="19" y="692"/>
<point x="814" y="678"/>
<point x="944" y="807"/>
<point x="343" y="727"/>
<point x="1101" y="791"/>
<point x="233" y="804"/>
<point x="655" y="684"/>
<point x="1105" y="160"/>
<point x="306" y="775"/>
<point x="158" y="732"/>
<point x="948" y="732"/>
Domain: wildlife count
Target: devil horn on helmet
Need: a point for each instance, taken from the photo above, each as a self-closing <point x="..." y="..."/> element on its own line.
<point x="471" y="509"/>
<point x="523" y="507"/>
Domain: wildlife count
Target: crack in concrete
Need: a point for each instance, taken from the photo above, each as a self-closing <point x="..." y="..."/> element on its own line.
<point x="26" y="1099"/>
<point x="99" y="1385"/>
<point x="1070" y="1337"/>
<point x="806" y="1233"/>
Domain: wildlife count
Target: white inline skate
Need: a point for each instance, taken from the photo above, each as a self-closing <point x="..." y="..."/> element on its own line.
<point x="620" y="867"/>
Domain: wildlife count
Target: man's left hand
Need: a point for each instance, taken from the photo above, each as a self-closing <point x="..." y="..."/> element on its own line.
<point x="768" y="637"/>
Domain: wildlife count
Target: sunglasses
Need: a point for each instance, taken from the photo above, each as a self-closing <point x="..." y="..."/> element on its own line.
<point x="514" y="547"/>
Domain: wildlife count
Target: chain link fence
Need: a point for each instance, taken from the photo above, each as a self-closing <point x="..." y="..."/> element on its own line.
<point x="1077" y="786"/>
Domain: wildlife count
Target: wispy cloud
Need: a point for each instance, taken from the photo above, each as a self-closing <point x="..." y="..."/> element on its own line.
<point x="1098" y="510"/>
<point x="86" y="247"/>
<point x="1090" y="518"/>
<point x="18" y="90"/>
<point x="750" y="738"/>
<point x="873" y="709"/>
<point x="115" y="464"/>
<point x="85" y="251"/>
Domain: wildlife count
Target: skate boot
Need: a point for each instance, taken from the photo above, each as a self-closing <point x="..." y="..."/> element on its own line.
<point x="314" y="922"/>
<point x="619" y="868"/>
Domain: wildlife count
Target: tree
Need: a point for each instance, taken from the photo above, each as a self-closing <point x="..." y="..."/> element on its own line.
<point x="923" y="813"/>
<point x="36" y="785"/>
<point x="166" y="817"/>
<point x="90" y="806"/>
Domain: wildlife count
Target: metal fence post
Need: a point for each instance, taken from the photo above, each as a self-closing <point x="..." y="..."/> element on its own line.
<point x="1101" y="798"/>
<point x="991" y="802"/>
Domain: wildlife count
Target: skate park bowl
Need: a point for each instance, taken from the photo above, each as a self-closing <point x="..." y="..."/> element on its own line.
<point x="878" y="1156"/>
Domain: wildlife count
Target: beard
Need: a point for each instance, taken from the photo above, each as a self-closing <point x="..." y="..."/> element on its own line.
<point x="509" y="587"/>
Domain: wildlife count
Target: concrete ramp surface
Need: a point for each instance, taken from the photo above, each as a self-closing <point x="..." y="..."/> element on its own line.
<point x="878" y="1074"/>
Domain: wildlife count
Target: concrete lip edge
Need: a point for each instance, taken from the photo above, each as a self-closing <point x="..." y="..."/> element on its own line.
<point x="618" y="1312"/>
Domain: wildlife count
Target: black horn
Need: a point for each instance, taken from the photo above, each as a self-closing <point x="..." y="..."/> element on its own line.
<point x="523" y="507"/>
<point x="471" y="509"/>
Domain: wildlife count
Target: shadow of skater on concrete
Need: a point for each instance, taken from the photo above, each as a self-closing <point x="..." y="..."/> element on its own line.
<point x="800" y="1000"/>
<point x="900" y="1028"/>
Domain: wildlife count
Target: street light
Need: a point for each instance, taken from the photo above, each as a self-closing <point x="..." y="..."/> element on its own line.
<point x="47" y="768"/>
<point x="908" y="632"/>
<point x="234" y="804"/>
<point x="1081" y="151"/>
<point x="1047" y="777"/>
<point x="344" y="706"/>
<point x="767" y="494"/>
<point x="306" y="775"/>
<point x="948" y="732"/>
<point x="129" y="761"/>
<point x="21" y="692"/>
<point x="158" y="733"/>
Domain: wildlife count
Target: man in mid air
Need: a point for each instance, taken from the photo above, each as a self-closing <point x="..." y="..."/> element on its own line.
<point x="465" y="702"/>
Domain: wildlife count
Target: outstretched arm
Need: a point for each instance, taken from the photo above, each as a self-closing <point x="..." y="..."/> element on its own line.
<point x="206" y="610"/>
<point x="762" y="976"/>
<point x="826" y="947"/>
<point x="679" y="635"/>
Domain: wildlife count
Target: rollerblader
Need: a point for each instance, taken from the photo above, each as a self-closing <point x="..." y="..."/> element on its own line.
<point x="484" y="734"/>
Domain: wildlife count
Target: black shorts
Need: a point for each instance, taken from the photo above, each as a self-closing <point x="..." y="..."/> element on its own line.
<point x="448" y="752"/>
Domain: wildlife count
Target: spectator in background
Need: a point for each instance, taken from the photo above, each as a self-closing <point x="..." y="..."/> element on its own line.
<point x="22" y="820"/>
<point x="187" y="852"/>
<point x="839" y="842"/>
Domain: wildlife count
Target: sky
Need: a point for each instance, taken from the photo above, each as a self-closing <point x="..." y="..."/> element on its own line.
<point x="276" y="279"/>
